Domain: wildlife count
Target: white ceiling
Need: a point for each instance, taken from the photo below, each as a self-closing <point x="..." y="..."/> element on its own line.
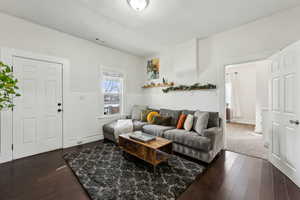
<point x="164" y="22"/>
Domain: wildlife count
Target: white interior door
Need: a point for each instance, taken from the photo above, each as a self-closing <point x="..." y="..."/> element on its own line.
<point x="284" y="126"/>
<point x="37" y="123"/>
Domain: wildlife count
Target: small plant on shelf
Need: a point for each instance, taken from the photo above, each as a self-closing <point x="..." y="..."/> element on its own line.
<point x="164" y="83"/>
<point x="8" y="87"/>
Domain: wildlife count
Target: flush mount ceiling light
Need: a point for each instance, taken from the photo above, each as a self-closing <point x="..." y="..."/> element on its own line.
<point x="138" y="5"/>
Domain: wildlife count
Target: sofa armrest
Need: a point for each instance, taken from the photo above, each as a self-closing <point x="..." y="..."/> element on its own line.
<point x="212" y="132"/>
<point x="215" y="134"/>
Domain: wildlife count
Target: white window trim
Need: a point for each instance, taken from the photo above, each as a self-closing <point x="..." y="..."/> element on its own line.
<point x="122" y="78"/>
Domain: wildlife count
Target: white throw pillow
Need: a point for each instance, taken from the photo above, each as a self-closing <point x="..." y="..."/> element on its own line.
<point x="137" y="111"/>
<point x="200" y="121"/>
<point x="188" y="124"/>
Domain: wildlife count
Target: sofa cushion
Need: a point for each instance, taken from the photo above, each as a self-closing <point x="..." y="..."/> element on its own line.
<point x="154" y="109"/>
<point x="160" y="120"/>
<point x="110" y="127"/>
<point x="181" y="121"/>
<point x="150" y="117"/>
<point x="156" y="130"/>
<point x="188" y="123"/>
<point x="213" y="120"/>
<point x="137" y="111"/>
<point x="171" y="113"/>
<point x="138" y="125"/>
<point x="188" y="112"/>
<point x="200" y="121"/>
<point x="189" y="138"/>
<point x="144" y="115"/>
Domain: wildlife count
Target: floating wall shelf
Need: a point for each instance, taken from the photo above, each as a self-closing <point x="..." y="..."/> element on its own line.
<point x="196" y="86"/>
<point x="158" y="85"/>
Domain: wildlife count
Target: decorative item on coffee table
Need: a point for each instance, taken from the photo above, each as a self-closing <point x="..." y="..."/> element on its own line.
<point x="142" y="137"/>
<point x="153" y="152"/>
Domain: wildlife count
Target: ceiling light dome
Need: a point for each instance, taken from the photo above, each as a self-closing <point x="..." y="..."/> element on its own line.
<point x="138" y="5"/>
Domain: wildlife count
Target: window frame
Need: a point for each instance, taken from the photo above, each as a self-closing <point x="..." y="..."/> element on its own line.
<point x="121" y="93"/>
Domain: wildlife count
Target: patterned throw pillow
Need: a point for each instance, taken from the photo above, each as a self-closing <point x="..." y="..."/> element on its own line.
<point x="181" y="121"/>
<point x="160" y="120"/>
<point x="144" y="115"/>
<point x="151" y="116"/>
<point x="188" y="124"/>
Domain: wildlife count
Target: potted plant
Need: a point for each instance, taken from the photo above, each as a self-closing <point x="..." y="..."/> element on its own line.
<point x="8" y="87"/>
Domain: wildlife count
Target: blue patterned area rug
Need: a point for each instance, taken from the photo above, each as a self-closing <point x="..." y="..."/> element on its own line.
<point x="105" y="173"/>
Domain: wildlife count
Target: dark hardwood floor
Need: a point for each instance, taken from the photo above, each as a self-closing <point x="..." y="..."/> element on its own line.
<point x="231" y="176"/>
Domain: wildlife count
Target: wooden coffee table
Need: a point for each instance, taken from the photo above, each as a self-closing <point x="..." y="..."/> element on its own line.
<point x="153" y="152"/>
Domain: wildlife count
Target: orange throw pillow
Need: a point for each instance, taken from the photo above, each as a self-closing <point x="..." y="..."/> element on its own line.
<point x="181" y="121"/>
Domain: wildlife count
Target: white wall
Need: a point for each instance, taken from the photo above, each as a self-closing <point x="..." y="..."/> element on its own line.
<point x="254" y="41"/>
<point x="246" y="90"/>
<point x="262" y="93"/>
<point x="85" y="58"/>
<point x="180" y="64"/>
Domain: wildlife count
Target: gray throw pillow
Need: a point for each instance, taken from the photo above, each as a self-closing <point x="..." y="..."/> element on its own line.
<point x="200" y="121"/>
<point x="137" y="111"/>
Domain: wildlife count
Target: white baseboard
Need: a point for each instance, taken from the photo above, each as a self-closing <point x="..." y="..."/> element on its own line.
<point x="285" y="170"/>
<point x="5" y="158"/>
<point x="84" y="140"/>
<point x="243" y="121"/>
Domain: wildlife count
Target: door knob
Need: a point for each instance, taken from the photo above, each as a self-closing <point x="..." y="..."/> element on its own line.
<point x="59" y="110"/>
<point x="296" y="122"/>
<point x="59" y="104"/>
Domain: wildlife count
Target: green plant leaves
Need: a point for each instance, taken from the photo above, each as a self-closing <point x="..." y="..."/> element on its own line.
<point x="8" y="87"/>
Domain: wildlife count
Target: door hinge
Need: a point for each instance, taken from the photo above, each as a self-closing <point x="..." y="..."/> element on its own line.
<point x="12" y="147"/>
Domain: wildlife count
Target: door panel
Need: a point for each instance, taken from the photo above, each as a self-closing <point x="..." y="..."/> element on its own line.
<point x="37" y="126"/>
<point x="284" y="89"/>
<point x="274" y="66"/>
<point x="275" y="139"/>
<point x="276" y="94"/>
<point x="289" y="96"/>
<point x="290" y="144"/>
<point x="29" y="130"/>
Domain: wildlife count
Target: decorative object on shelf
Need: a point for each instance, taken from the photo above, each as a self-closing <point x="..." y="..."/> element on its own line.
<point x="154" y="85"/>
<point x="8" y="87"/>
<point x="153" y="66"/>
<point x="196" y="86"/>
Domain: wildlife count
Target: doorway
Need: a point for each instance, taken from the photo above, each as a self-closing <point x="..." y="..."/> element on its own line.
<point x="246" y="98"/>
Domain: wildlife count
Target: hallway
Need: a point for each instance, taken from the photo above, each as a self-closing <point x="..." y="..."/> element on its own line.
<point x="242" y="139"/>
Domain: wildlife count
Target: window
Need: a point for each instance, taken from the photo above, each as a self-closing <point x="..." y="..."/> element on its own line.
<point x="112" y="87"/>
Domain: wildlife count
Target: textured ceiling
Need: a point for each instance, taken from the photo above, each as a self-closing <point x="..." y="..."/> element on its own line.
<point x="164" y="22"/>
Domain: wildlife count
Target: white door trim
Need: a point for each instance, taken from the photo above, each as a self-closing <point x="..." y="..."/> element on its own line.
<point x="6" y="130"/>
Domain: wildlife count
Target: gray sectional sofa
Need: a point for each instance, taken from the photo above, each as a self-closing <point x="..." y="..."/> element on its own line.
<point x="203" y="147"/>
